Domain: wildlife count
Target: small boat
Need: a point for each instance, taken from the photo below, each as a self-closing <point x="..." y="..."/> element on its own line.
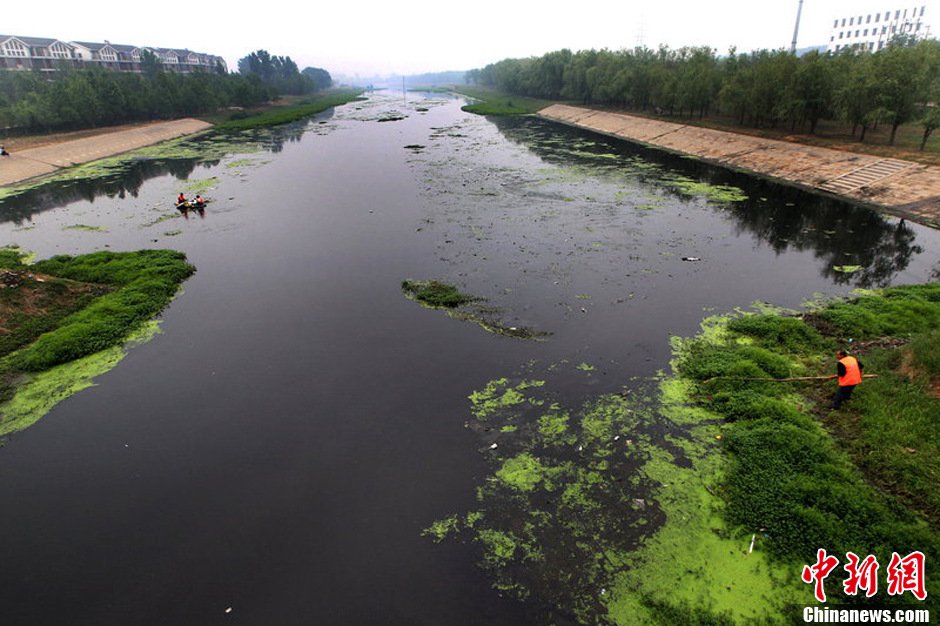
<point x="190" y="206"/>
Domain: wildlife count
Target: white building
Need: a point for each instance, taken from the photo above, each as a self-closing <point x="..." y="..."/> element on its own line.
<point x="872" y="25"/>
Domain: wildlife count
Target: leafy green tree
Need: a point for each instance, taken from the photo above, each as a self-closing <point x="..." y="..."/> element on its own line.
<point x="150" y="63"/>
<point x="320" y="77"/>
<point x="930" y="121"/>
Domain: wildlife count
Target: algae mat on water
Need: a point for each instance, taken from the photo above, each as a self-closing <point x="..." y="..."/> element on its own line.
<point x="603" y="510"/>
<point x="699" y="500"/>
<point x="36" y="397"/>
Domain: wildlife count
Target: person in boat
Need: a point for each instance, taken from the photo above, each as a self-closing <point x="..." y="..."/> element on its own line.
<point x="199" y="203"/>
<point x="181" y="200"/>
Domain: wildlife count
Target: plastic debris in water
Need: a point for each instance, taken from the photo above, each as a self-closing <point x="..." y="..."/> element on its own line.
<point x="494" y="446"/>
<point x="691" y="258"/>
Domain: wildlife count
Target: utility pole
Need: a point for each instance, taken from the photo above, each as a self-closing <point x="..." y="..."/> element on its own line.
<point x="796" y="29"/>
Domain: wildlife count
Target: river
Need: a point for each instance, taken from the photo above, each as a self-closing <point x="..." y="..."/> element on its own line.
<point x="273" y="456"/>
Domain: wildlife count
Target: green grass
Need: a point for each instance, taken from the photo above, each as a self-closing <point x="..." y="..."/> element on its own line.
<point x="284" y="115"/>
<point x="496" y="103"/>
<point x="891" y="427"/>
<point x="89" y="303"/>
<point x="786" y="473"/>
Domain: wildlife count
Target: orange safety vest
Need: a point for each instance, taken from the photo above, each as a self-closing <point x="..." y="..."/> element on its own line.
<point x="853" y="375"/>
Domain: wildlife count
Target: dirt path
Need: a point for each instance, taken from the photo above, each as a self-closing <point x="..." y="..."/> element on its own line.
<point x="900" y="187"/>
<point x="30" y="162"/>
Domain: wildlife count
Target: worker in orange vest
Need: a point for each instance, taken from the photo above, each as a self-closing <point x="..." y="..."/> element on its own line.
<point x="849" y="374"/>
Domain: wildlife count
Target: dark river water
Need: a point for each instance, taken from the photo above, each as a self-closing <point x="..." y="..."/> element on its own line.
<point x="279" y="448"/>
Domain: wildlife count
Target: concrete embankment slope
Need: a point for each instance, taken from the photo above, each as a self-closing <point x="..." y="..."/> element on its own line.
<point x="902" y="187"/>
<point x="26" y="164"/>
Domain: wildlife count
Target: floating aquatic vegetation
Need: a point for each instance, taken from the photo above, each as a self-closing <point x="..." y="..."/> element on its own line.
<point x="86" y="228"/>
<point x="36" y="397"/>
<point x="163" y="218"/>
<point x="438" y="295"/>
<point x="200" y="185"/>
<point x="239" y="163"/>
<point x="564" y="503"/>
<point x="714" y="193"/>
<point x="434" y="293"/>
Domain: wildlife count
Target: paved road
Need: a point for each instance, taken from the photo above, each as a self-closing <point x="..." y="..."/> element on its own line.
<point x="30" y="163"/>
<point x="901" y="187"/>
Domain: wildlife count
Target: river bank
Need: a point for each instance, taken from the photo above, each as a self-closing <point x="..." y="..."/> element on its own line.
<point x="279" y="448"/>
<point x="700" y="501"/>
<point x="23" y="165"/>
<point x="38" y="156"/>
<point x="66" y="318"/>
<point x="902" y="188"/>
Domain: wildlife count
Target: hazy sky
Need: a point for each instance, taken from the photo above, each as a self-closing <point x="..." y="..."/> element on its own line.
<point x="412" y="36"/>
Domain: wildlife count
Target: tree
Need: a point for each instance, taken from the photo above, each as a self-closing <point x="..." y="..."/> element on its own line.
<point x="320" y="77"/>
<point x="930" y="121"/>
<point x="150" y="64"/>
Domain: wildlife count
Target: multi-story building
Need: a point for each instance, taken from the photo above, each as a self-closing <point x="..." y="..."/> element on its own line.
<point x="49" y="55"/>
<point x="872" y="26"/>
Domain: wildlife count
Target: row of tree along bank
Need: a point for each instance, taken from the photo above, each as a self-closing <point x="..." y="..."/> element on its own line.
<point x="74" y="99"/>
<point x="766" y="88"/>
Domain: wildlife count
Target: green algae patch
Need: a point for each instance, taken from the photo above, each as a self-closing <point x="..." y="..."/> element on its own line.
<point x="438" y="295"/>
<point x="696" y="563"/>
<point x="521" y="472"/>
<point x="201" y="185"/>
<point x="440" y="529"/>
<point x="703" y="504"/>
<point x="37" y="396"/>
<point x="86" y="228"/>
<point x="498" y="395"/>
<point x="163" y="218"/>
<point x="564" y="505"/>
<point x="714" y="193"/>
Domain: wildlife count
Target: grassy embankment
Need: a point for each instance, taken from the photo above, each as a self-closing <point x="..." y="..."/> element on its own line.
<point x="868" y="487"/>
<point x="296" y="109"/>
<point x="593" y="510"/>
<point x="66" y="317"/>
<point x="493" y="102"/>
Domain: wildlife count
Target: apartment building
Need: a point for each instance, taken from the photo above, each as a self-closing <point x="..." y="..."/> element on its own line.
<point x="48" y="55"/>
<point x="872" y="26"/>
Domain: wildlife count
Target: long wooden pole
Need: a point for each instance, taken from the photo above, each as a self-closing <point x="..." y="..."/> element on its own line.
<point x="781" y="380"/>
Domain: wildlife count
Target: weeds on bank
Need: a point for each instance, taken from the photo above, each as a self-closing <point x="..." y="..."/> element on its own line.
<point x="306" y="108"/>
<point x="494" y="103"/>
<point x="787" y="476"/>
<point x="113" y="295"/>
